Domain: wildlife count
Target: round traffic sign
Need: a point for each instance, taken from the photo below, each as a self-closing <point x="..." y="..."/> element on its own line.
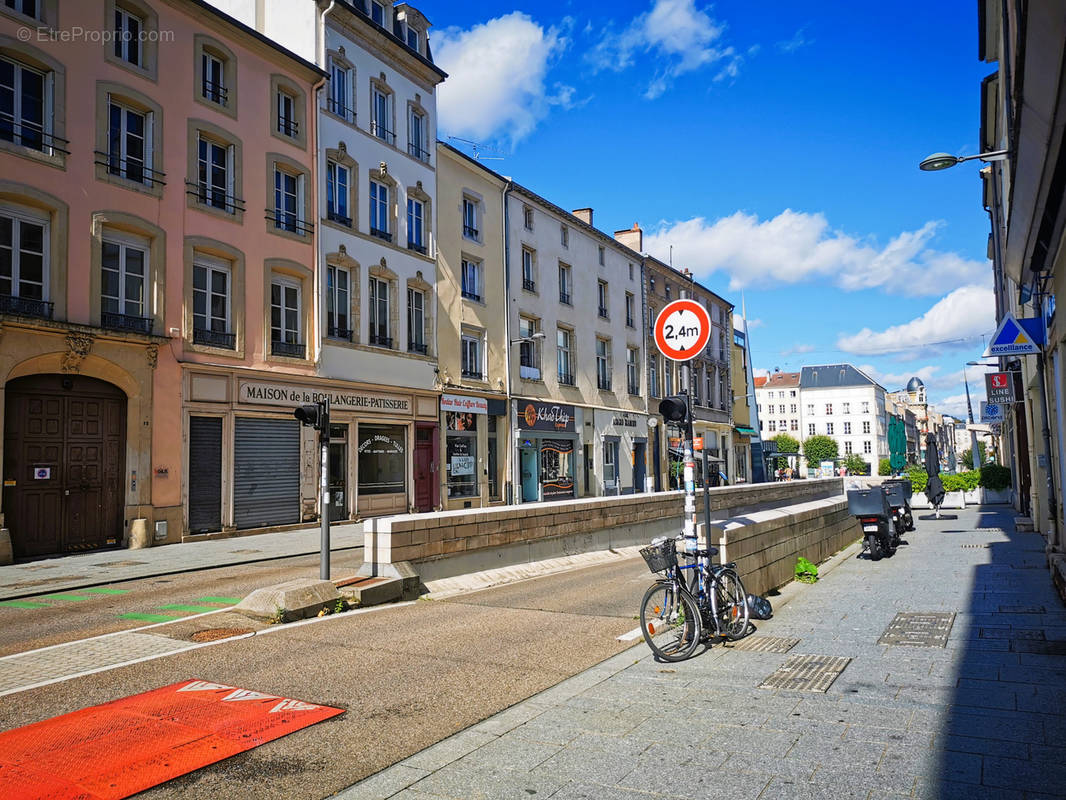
<point x="682" y="330"/>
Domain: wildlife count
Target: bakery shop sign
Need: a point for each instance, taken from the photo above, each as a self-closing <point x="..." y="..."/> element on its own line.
<point x="534" y="416"/>
<point x="279" y="394"/>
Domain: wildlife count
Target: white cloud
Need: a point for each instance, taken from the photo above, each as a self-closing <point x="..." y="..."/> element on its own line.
<point x="797" y="41"/>
<point x="954" y="406"/>
<point x="798" y="348"/>
<point x="928" y="375"/>
<point x="759" y="372"/>
<point x="497" y="77"/>
<point x="955" y="321"/>
<point x="680" y="37"/>
<point x="796" y="246"/>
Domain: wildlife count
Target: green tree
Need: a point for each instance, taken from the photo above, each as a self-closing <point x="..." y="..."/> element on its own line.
<point x="884" y="466"/>
<point x="820" y="448"/>
<point x="967" y="455"/>
<point x="857" y="465"/>
<point x="785" y="444"/>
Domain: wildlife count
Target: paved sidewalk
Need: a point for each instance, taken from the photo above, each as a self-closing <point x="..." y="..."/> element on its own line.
<point x="101" y="567"/>
<point x="982" y="714"/>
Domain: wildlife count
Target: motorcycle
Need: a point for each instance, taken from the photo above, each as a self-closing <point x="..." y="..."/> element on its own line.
<point x="871" y="508"/>
<point x="908" y="492"/>
<point x="897" y="501"/>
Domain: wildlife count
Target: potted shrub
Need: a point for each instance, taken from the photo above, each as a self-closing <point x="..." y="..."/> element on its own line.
<point x="959" y="488"/>
<point x="995" y="483"/>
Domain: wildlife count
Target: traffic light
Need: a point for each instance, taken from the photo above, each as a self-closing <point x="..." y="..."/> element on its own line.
<point x="675" y="409"/>
<point x="312" y="415"/>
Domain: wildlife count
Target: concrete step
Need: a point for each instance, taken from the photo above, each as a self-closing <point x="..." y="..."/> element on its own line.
<point x="1023" y="524"/>
<point x="364" y="591"/>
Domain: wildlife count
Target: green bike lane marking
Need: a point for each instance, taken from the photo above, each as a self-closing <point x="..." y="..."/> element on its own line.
<point x="24" y="604"/>
<point x="104" y="590"/>
<point x="150" y="617"/>
<point x="229" y="601"/>
<point x="175" y="611"/>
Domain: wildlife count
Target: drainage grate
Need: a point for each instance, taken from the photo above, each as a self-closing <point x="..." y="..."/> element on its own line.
<point x="1022" y="610"/>
<point x="974" y="546"/>
<point x="764" y="644"/>
<point x="1041" y="648"/>
<point x="807" y="673"/>
<point x="120" y="564"/>
<point x="919" y="629"/>
<point x="1031" y="634"/>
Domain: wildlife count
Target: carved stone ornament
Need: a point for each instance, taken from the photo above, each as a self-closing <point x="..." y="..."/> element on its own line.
<point x="78" y="346"/>
<point x="343" y="250"/>
<point x="383" y="168"/>
<point x="151" y="353"/>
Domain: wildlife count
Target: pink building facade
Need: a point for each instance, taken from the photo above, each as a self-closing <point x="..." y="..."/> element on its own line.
<point x="158" y="272"/>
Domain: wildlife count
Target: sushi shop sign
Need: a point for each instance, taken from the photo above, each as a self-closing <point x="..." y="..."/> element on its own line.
<point x="283" y="394"/>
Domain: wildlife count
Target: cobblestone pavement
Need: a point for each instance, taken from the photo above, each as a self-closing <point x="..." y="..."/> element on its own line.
<point x="79" y="570"/>
<point x="979" y="715"/>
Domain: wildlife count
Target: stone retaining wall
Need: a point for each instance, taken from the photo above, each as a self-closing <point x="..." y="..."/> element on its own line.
<point x="459" y="542"/>
<point x="765" y="544"/>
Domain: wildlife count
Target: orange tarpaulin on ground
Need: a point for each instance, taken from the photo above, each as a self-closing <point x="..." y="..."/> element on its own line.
<point x="129" y="745"/>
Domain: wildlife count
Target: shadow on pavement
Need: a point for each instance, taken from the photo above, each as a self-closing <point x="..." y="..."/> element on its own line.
<point x="1002" y="734"/>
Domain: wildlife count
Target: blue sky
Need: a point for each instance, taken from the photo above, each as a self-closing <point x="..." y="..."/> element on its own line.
<point x="773" y="144"/>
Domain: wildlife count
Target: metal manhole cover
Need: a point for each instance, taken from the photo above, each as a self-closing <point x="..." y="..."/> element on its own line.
<point x="913" y="629"/>
<point x="1022" y="610"/>
<point x="807" y="673"/>
<point x="764" y="644"/>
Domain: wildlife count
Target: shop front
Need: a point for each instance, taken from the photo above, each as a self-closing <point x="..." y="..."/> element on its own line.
<point x="546" y="451"/>
<point x="474" y="429"/>
<point x="251" y="465"/>
<point x="621" y="452"/>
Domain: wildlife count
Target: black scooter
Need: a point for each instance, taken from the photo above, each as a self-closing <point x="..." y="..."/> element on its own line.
<point x="874" y="513"/>
<point x="897" y="501"/>
<point x="908" y="492"/>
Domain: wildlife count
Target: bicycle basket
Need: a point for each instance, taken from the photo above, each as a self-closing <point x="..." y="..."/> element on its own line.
<point x="660" y="557"/>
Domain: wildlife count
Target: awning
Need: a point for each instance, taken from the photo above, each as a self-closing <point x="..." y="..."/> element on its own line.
<point x="742" y="429"/>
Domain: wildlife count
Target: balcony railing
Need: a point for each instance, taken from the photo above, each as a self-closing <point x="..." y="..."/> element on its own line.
<point x="335" y="106"/>
<point x="288" y="221"/>
<point x="227" y="341"/>
<point x="603" y="313"/>
<point x="340" y="219"/>
<point x="135" y="171"/>
<point x="634" y="388"/>
<point x="564" y="297"/>
<point x="289" y="349"/>
<point x="566" y="379"/>
<point x="289" y="127"/>
<point x="383" y="133"/>
<point x="630" y="323"/>
<point x="418" y="248"/>
<point x="469" y="295"/>
<point x="472" y="374"/>
<point x="333" y="332"/>
<point x="26" y="306"/>
<point x="214" y="197"/>
<point x="125" y="322"/>
<point x="417" y="347"/>
<point x="416" y="151"/>
<point x="603" y="382"/>
<point x="528" y="285"/>
<point x="380" y="341"/>
<point x="470" y="231"/>
<point x="215" y="92"/>
<point x="32" y="137"/>
<point x="380" y="234"/>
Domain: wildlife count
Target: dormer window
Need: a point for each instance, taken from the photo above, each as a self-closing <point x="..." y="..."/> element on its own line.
<point x="377" y="13"/>
<point x="412" y="38"/>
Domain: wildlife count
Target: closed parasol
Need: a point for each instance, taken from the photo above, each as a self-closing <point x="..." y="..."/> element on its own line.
<point x="934" y="487"/>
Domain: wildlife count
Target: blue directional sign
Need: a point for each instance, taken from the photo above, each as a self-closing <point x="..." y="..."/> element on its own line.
<point x="1013" y="338"/>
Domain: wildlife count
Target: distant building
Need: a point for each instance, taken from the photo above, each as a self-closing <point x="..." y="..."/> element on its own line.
<point x="778" y="405"/>
<point x="842" y="402"/>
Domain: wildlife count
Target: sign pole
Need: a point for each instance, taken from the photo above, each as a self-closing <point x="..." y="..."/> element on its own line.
<point x="323" y="438"/>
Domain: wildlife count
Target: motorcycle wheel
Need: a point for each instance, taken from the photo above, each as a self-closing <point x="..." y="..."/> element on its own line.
<point x="874" y="545"/>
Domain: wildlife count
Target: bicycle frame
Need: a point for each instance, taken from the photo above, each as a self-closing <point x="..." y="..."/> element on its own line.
<point x="701" y="586"/>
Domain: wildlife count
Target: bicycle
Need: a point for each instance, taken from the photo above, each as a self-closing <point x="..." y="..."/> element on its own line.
<point x="677" y="612"/>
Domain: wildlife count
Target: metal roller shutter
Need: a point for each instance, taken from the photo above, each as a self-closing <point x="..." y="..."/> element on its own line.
<point x="266" y="472"/>
<point x="205" y="474"/>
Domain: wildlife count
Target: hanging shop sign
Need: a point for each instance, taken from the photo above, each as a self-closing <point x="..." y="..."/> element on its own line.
<point x="282" y="394"/>
<point x="537" y="416"/>
<point x="1016" y="337"/>
<point x="992" y="412"/>
<point x="999" y="388"/>
<point x="466" y="405"/>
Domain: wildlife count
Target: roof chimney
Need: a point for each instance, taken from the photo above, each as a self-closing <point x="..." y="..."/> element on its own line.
<point x="583" y="214"/>
<point x="632" y="238"/>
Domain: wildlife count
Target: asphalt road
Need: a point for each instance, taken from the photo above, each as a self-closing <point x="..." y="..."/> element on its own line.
<point x="77" y="614"/>
<point x="407" y="676"/>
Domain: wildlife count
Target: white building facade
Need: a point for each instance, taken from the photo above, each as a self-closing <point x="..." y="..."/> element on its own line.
<point x="847" y="405"/>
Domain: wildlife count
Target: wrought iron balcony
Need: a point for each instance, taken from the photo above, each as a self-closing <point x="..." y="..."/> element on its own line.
<point x="564" y="297"/>
<point x="26" y="306"/>
<point x="289" y="127"/>
<point x="470" y="231"/>
<point x="288" y="221"/>
<point x="469" y="373"/>
<point x="130" y="169"/>
<point x="215" y="92"/>
<point x="32" y="137"/>
<point x="417" y="347"/>
<point x="333" y="332"/>
<point x="335" y="106"/>
<point x="125" y="322"/>
<point x="380" y="234"/>
<point x="383" y="133"/>
<point x="289" y="349"/>
<point x="227" y="341"/>
<point x="469" y="295"/>
<point x="603" y="382"/>
<point x="214" y="197"/>
<point x="566" y="379"/>
<point x="418" y="248"/>
<point x="416" y="151"/>
<point x="380" y="341"/>
<point x="340" y="219"/>
<point x="528" y="285"/>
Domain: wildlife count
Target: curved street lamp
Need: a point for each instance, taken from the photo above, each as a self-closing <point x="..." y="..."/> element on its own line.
<point x="939" y="161"/>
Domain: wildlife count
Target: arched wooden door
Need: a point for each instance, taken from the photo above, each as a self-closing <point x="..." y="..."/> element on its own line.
<point x="64" y="464"/>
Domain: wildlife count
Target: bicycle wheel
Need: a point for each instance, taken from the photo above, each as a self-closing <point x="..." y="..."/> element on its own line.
<point x="732" y="601"/>
<point x="670" y="622"/>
